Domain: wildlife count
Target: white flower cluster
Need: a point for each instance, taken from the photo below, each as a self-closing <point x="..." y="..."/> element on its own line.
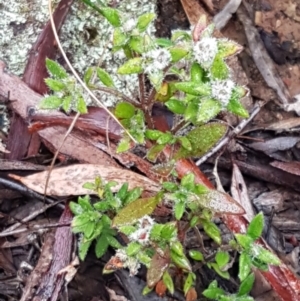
<point x="142" y="235"/>
<point x="128" y="262"/>
<point x="222" y="90"/>
<point x="129" y="25"/>
<point x="205" y="51"/>
<point x="156" y="60"/>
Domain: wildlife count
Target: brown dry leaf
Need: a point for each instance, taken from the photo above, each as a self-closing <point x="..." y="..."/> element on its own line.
<point x="69" y="180"/>
<point x="239" y="192"/>
<point x="290" y="167"/>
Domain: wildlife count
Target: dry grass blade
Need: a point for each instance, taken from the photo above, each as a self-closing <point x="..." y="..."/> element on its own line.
<point x="69" y="180"/>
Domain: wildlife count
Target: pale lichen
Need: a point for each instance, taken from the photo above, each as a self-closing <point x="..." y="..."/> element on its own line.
<point x="86" y="37"/>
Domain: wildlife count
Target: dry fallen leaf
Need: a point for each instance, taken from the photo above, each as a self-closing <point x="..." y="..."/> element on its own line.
<point x="240" y="193"/>
<point x="290" y="167"/>
<point x="69" y="180"/>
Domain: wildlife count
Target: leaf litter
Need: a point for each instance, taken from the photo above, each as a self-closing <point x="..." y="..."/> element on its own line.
<point x="69" y="180"/>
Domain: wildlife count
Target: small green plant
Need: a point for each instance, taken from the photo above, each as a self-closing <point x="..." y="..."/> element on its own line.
<point x="93" y="221"/>
<point x="189" y="75"/>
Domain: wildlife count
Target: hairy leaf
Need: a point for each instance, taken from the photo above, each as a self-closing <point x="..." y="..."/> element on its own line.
<point x="135" y="210"/>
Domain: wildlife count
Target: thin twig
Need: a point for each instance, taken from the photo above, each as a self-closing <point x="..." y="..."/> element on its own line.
<point x="26" y="191"/>
<point x="71" y="127"/>
<point x="27" y="218"/>
<point x="235" y="132"/>
<point x="117" y="94"/>
<point x="34" y="228"/>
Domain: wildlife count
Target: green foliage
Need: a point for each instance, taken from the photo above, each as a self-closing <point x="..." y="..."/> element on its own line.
<point x="200" y="90"/>
<point x="92" y="221"/>
<point x="213" y="292"/>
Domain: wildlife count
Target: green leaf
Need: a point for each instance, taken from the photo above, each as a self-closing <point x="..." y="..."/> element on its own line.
<point x="165" y="138"/>
<point x="79" y="223"/>
<point x="119" y="38"/>
<point x="153" y="134"/>
<point x="167" y="279"/>
<point x="217" y="269"/>
<point x="88" y="75"/>
<point x="83" y="248"/>
<point x="188" y="181"/>
<point x="113" y="242"/>
<point x="124" y="145"/>
<point x="197" y="73"/>
<point x="219" y="69"/>
<point x="196" y="255"/>
<point x="181" y="261"/>
<point x="81" y="105"/>
<point x="159" y="264"/>
<point x="202" y="139"/>
<point x="144" y="21"/>
<point x="124" y="110"/>
<point x="133" y="248"/>
<point x="127" y="230"/>
<point x="146" y="290"/>
<point x="194" y="221"/>
<point x="89" y="229"/>
<point x="243" y="298"/>
<point x="76" y="208"/>
<point x="139" y="44"/>
<point x="101" y="246"/>
<point x="189" y="281"/>
<point x="246" y="285"/>
<point x="256" y="226"/>
<point x="85" y="203"/>
<point x="154" y="152"/>
<point x="180" y="34"/>
<point x="178" y="53"/>
<point x="104" y="77"/>
<point x="208" y="109"/>
<point x="264" y="255"/>
<point x="179" y="209"/>
<point x="176" y="106"/>
<point x="191" y="111"/>
<point x="234" y="106"/>
<point x="123" y="191"/>
<point x="213" y="292"/>
<point x="112" y="16"/>
<point x="50" y="102"/>
<point x="131" y="66"/>
<point x="244" y="265"/>
<point x="54" y="84"/>
<point x="163" y="42"/>
<point x="136" y="210"/>
<point x="185" y="142"/>
<point x="168" y="231"/>
<point x="66" y="103"/>
<point x="228" y="48"/>
<point x="197" y="89"/>
<point x="177" y="247"/>
<point x="55" y="69"/>
<point x="222" y="258"/>
<point x="170" y="186"/>
<point x="212" y="231"/>
<point x="244" y="240"/>
<point x="133" y="195"/>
